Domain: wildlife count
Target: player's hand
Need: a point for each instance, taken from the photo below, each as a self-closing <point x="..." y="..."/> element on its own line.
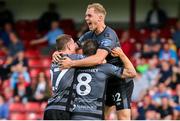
<point x="116" y="52"/>
<point x="56" y="56"/>
<point x="65" y="63"/>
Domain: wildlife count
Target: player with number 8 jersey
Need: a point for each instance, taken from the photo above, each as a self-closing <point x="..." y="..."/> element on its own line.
<point x="89" y="85"/>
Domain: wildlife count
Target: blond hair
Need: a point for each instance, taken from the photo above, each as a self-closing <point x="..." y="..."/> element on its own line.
<point x="97" y="8"/>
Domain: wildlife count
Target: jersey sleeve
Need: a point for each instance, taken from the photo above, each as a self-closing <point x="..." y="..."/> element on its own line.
<point x="115" y="71"/>
<point x="76" y="56"/>
<point x="82" y="39"/>
<point x="106" y="44"/>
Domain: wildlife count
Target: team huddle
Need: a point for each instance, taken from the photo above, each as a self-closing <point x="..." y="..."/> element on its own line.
<point x="91" y="73"/>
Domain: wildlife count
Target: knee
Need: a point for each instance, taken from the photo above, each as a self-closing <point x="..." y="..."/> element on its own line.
<point x="124" y="114"/>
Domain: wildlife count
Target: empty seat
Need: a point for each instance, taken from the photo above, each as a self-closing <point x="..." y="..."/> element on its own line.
<point x="33" y="63"/>
<point x="34" y="72"/>
<point x="16" y="107"/>
<point x="32" y="53"/>
<point x="22" y="24"/>
<point x="165" y="33"/>
<point x="46" y="62"/>
<point x="43" y="106"/>
<point x="32" y="116"/>
<point x="67" y="24"/>
<point x="17" y="116"/>
<point x="171" y="22"/>
<point x="32" y="107"/>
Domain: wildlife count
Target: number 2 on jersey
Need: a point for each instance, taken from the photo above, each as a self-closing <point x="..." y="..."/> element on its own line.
<point x="117" y="97"/>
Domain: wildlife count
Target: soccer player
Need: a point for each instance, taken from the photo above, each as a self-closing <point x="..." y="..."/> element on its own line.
<point x="58" y="106"/>
<point x="107" y="40"/>
<point x="90" y="83"/>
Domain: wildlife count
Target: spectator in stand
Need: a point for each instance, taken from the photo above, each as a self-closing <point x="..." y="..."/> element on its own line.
<point x="153" y="72"/>
<point x="168" y="54"/>
<point x="178" y="53"/>
<point x="3" y="49"/>
<point x="8" y="94"/>
<point x="160" y="92"/>
<point x="41" y="91"/>
<point x="146" y="80"/>
<point x="5" y="69"/>
<point x="20" y="58"/>
<point x="138" y="50"/>
<point x="4" y="108"/>
<point x="147" y="51"/>
<point x="145" y="106"/>
<point x="172" y="44"/>
<point x="140" y="87"/>
<point x="127" y="44"/>
<point x="17" y="70"/>
<point x="176" y="34"/>
<point x="15" y="46"/>
<point x="137" y="54"/>
<point x="4" y="34"/>
<point x="50" y="37"/>
<point x="22" y="90"/>
<point x="11" y="63"/>
<point x="48" y="17"/>
<point x="134" y="113"/>
<point x="154" y="42"/>
<point x="142" y="65"/>
<point x="176" y="97"/>
<point x="165" y="110"/>
<point x="5" y="14"/>
<point x="176" y="103"/>
<point x="156" y="17"/>
<point x="152" y="115"/>
<point x="165" y="73"/>
<point x="175" y="75"/>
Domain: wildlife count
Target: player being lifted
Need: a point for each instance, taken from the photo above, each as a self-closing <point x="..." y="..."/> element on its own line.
<point x="107" y="40"/>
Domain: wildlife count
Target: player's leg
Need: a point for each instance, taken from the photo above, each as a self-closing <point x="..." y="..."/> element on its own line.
<point x="110" y="113"/>
<point x="110" y="109"/>
<point x="124" y="114"/>
<point x="123" y="100"/>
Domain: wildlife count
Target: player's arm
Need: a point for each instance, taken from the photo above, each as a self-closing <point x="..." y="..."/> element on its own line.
<point x="38" y="41"/>
<point x="104" y="48"/>
<point x="129" y="70"/>
<point x="96" y="59"/>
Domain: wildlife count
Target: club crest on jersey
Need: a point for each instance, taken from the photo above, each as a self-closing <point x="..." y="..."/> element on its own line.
<point x="106" y="35"/>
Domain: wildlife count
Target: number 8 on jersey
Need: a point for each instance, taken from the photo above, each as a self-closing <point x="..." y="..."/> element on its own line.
<point x="83" y="81"/>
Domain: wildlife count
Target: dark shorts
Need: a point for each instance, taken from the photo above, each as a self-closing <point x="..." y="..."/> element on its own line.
<point x="53" y="114"/>
<point x="119" y="94"/>
<point x="86" y="116"/>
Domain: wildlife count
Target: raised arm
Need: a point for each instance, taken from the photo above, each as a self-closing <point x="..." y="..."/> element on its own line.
<point x="38" y="41"/>
<point x="129" y="70"/>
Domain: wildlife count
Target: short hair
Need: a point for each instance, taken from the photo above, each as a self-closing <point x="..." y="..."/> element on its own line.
<point x="89" y="47"/>
<point x="98" y="8"/>
<point x="62" y="41"/>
